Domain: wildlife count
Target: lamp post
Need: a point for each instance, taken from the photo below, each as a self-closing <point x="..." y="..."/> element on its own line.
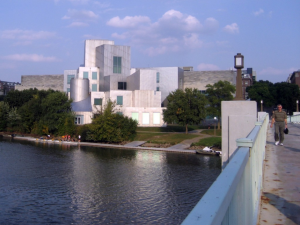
<point x="261" y="105"/>
<point x="297" y="106"/>
<point x="215" y="120"/>
<point x="239" y="65"/>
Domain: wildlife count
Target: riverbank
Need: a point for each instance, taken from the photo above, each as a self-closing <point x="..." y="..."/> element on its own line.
<point x="131" y="145"/>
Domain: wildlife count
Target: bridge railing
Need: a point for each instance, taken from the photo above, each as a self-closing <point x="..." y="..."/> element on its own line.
<point x="234" y="197"/>
<point x="293" y="119"/>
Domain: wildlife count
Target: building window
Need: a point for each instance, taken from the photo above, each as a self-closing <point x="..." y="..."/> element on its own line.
<point x="94" y="87"/>
<point x="157" y="88"/>
<point x="119" y="100"/>
<point x="68" y="89"/>
<point x="120" y="113"/>
<point x="145" y="118"/>
<point x="117" y="66"/>
<point x="122" y="85"/>
<point x="157" y="77"/>
<point x="156" y="118"/>
<point x="69" y="77"/>
<point x="135" y="116"/>
<point x="86" y="75"/>
<point x="78" y="119"/>
<point x="97" y="101"/>
<point x="94" y="75"/>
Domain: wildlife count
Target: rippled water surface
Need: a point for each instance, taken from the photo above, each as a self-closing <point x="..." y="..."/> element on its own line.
<point x="46" y="184"/>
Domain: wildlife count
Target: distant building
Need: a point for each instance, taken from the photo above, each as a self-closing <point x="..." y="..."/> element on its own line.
<point x="6" y="86"/>
<point x="295" y="78"/>
<point x="248" y="76"/>
<point x="41" y="82"/>
<point x="139" y="93"/>
<point x="199" y="79"/>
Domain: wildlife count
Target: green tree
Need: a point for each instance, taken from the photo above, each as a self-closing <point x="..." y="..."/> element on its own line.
<point x="17" y="98"/>
<point x="109" y="126"/>
<point x="262" y="90"/>
<point x="216" y="93"/>
<point x="13" y="120"/>
<point x="56" y="111"/>
<point x="282" y="93"/>
<point x="286" y="94"/>
<point x="185" y="107"/>
<point x="4" y="109"/>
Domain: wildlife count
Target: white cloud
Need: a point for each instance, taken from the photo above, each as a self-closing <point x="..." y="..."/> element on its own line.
<point x="128" y="21"/>
<point x="80" y="15"/>
<point x="174" y="31"/>
<point x="78" y="24"/>
<point x="192" y="41"/>
<point x="259" y="12"/>
<point x="30" y="57"/>
<point x="28" y="35"/>
<point x="206" y="67"/>
<point x="232" y="28"/>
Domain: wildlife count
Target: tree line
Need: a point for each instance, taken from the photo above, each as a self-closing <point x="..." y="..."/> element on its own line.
<point x="282" y="93"/>
<point x="44" y="112"/>
<point x="38" y="112"/>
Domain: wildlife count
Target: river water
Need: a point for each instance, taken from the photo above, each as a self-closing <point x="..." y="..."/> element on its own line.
<point x="55" y="184"/>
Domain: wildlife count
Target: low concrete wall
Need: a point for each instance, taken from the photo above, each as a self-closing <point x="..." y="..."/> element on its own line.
<point x="41" y="82"/>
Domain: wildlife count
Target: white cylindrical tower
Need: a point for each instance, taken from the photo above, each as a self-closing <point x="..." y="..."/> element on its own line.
<point x="79" y="89"/>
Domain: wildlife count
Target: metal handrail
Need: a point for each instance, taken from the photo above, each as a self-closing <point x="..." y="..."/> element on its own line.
<point x="234" y="197"/>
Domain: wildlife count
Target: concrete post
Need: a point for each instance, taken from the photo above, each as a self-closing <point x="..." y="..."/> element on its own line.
<point x="238" y="119"/>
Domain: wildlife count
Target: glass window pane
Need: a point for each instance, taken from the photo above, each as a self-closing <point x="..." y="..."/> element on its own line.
<point x="69" y="77"/>
<point x="156" y="118"/>
<point x="135" y="116"/>
<point x="122" y="85"/>
<point x="97" y="101"/>
<point x="86" y="75"/>
<point x="94" y="75"/>
<point x="94" y="87"/>
<point x="145" y="118"/>
<point x="157" y="88"/>
<point x="157" y="77"/>
<point x="120" y="113"/>
<point x="119" y="100"/>
<point x="68" y="89"/>
<point x="117" y="64"/>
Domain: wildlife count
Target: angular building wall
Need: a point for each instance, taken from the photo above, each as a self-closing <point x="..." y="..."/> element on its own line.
<point x="166" y="80"/>
<point x="90" y="51"/>
<point x="199" y="79"/>
<point x="146" y="98"/>
<point x="41" y="82"/>
<point x="105" y="61"/>
<point x="142" y="79"/>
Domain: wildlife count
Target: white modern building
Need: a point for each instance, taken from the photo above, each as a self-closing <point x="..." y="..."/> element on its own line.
<point x="139" y="93"/>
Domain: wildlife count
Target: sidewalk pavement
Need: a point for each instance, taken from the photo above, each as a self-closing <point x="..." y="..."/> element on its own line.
<point x="280" y="200"/>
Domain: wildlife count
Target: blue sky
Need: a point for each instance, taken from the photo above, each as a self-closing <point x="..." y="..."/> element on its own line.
<point x="39" y="37"/>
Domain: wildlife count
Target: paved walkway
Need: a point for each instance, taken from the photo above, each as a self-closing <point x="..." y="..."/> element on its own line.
<point x="280" y="200"/>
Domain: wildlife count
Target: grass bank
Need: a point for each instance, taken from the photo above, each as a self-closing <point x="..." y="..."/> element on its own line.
<point x="210" y="141"/>
<point x="162" y="138"/>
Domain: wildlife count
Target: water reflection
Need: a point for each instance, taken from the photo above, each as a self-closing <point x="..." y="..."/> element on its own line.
<point x="42" y="183"/>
